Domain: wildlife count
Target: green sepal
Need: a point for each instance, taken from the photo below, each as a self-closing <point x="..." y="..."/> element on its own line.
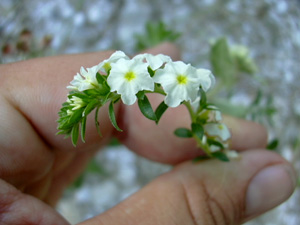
<point x="221" y="156"/>
<point x="216" y="143"/>
<point x="103" y="88"/>
<point x="197" y="130"/>
<point x="140" y="95"/>
<point x="112" y="117"/>
<point x="101" y="78"/>
<point x="90" y="107"/>
<point x="150" y="71"/>
<point x="160" y="110"/>
<point x="75" y="117"/>
<point x="75" y="134"/>
<point x="203" y="100"/>
<point x="183" y="133"/>
<point x="83" y="128"/>
<point x="146" y="108"/>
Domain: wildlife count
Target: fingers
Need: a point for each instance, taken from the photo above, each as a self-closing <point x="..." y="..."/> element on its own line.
<point x="158" y="142"/>
<point x="246" y="134"/>
<point x="167" y="49"/>
<point x="18" y="209"/>
<point x="37" y="88"/>
<point x="212" y="192"/>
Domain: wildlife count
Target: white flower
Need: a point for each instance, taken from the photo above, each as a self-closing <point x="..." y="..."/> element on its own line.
<point x="207" y="79"/>
<point x="84" y="80"/>
<point x="154" y="61"/>
<point x="218" y="130"/>
<point x="105" y="65"/>
<point x="180" y="81"/>
<point x="128" y="77"/>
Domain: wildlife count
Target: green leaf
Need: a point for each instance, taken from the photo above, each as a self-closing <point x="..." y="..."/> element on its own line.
<point x="146" y="108"/>
<point x="112" y="117"/>
<point x="221" y="156"/>
<point x="79" y="95"/>
<point x="101" y="78"/>
<point x="96" y="121"/>
<point x="83" y="128"/>
<point x="140" y="95"/>
<point x="75" y="134"/>
<point x="160" y="110"/>
<point x="76" y="116"/>
<point x="273" y="144"/>
<point x="90" y="107"/>
<point x="198" y="130"/>
<point x="223" y="65"/>
<point x="183" y="133"/>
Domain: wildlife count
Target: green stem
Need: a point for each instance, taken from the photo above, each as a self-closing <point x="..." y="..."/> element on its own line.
<point x="191" y="111"/>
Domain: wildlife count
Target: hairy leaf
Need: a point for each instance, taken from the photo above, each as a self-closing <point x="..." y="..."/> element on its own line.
<point x="183" y="133"/>
<point x="146" y="108"/>
<point x="112" y="117"/>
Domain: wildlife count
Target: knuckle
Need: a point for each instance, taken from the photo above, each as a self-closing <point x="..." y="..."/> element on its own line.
<point x="209" y="208"/>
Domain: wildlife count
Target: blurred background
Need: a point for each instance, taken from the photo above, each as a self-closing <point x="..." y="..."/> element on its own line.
<point x="252" y="46"/>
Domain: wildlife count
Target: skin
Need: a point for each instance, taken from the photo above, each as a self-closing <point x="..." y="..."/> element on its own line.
<point x="36" y="165"/>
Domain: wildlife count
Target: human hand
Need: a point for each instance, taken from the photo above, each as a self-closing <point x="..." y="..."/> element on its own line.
<point x="36" y="165"/>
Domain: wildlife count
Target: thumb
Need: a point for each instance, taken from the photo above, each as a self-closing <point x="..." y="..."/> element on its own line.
<point x="210" y="192"/>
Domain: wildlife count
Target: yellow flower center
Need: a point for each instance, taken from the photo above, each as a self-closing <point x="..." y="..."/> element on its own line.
<point x="220" y="126"/>
<point x="181" y="79"/>
<point x="107" y="66"/>
<point x="129" y="76"/>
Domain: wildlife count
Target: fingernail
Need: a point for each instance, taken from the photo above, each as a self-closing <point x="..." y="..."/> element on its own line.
<point x="269" y="188"/>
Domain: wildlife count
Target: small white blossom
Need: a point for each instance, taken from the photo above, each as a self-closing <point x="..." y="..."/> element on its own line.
<point x="105" y="65"/>
<point x="180" y="81"/>
<point x="128" y="77"/>
<point x="76" y="102"/>
<point x="84" y="80"/>
<point x="154" y="61"/>
<point x="232" y="154"/>
<point x="218" y="130"/>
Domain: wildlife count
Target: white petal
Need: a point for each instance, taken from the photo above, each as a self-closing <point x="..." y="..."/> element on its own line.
<point x="232" y="154"/>
<point x="207" y="79"/>
<point x="127" y="94"/>
<point x="218" y="130"/>
<point x="218" y="115"/>
<point x="156" y="61"/>
<point x="174" y="97"/>
<point x="195" y="103"/>
<point x="118" y="55"/>
<point x="112" y="59"/>
<point x="115" y="82"/>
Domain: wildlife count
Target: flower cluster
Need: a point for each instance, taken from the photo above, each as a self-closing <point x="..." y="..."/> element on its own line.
<point x="120" y="77"/>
